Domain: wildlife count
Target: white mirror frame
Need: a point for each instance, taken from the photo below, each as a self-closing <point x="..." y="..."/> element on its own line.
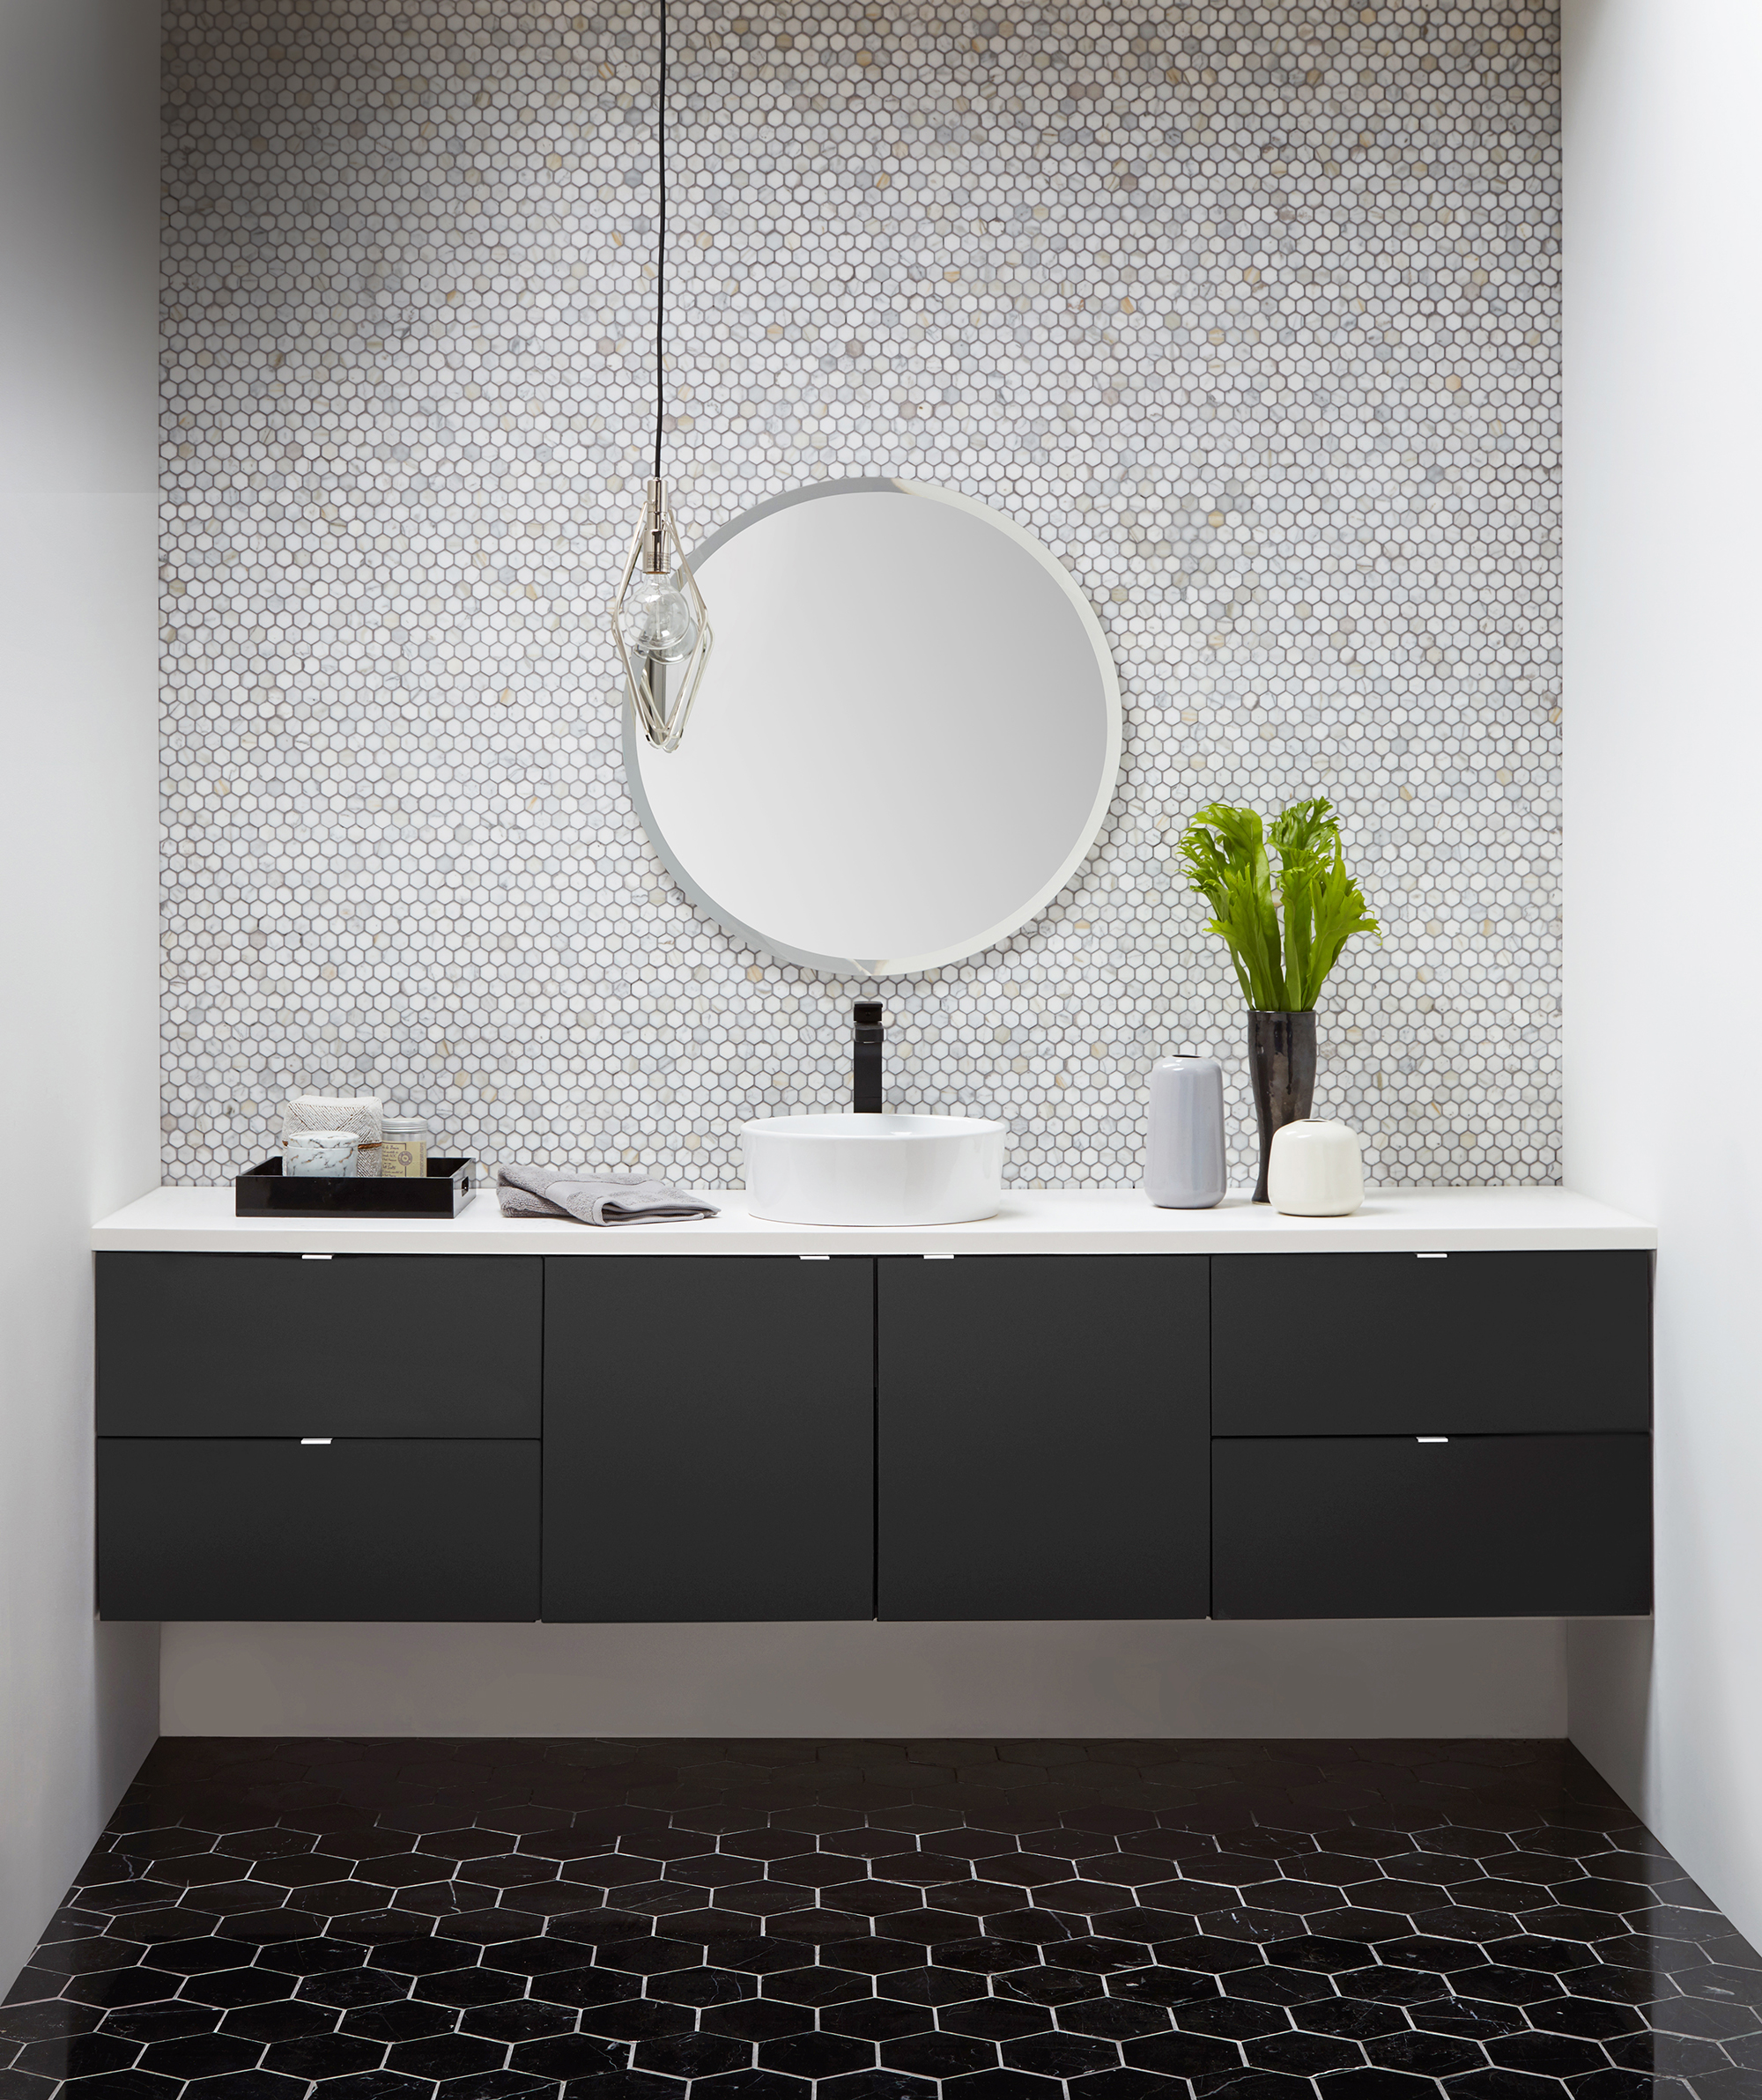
<point x="838" y="965"/>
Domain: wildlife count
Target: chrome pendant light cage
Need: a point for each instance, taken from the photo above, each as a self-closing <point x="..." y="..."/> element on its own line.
<point x="661" y="682"/>
<point x="661" y="688"/>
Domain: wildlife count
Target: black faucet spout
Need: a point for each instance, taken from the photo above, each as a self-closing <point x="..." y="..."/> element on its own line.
<point x="865" y="1067"/>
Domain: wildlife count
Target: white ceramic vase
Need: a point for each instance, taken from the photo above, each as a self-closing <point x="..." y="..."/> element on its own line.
<point x="1316" y="1170"/>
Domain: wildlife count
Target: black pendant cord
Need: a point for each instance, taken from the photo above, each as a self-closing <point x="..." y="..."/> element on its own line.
<point x="661" y="251"/>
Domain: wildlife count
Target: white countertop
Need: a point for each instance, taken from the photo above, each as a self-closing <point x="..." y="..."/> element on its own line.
<point x="1101" y="1221"/>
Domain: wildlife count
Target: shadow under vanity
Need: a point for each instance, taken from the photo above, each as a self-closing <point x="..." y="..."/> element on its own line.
<point x="1213" y="1414"/>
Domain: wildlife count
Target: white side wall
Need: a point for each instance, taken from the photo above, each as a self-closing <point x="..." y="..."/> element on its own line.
<point x="78" y="722"/>
<point x="1128" y="1678"/>
<point x="1664" y="745"/>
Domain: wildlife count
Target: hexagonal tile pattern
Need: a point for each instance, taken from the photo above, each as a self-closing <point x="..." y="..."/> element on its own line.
<point x="1249" y="312"/>
<point x="187" y="1961"/>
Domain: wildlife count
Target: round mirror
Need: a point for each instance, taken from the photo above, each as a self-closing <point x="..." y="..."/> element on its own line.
<point x="908" y="735"/>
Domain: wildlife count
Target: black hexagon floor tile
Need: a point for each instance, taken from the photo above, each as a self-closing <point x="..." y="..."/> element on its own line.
<point x="714" y="1920"/>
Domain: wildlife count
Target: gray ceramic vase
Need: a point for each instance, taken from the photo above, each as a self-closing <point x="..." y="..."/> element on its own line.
<point x="1184" y="1167"/>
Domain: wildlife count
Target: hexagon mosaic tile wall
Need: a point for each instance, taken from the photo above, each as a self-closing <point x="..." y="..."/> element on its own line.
<point x="1249" y="312"/>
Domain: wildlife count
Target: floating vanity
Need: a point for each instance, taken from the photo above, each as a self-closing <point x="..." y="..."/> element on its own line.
<point x="1083" y="1408"/>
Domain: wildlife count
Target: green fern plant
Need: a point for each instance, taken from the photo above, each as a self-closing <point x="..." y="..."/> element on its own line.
<point x="1226" y="852"/>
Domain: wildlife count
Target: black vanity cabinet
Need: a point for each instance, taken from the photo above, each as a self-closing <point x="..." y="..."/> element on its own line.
<point x="302" y="1436"/>
<point x="1043" y="1437"/>
<point x="1414" y="1436"/>
<point x="710" y="1438"/>
<point x="632" y="1437"/>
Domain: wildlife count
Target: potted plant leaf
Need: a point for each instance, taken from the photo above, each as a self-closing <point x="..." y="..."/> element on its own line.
<point x="1280" y="967"/>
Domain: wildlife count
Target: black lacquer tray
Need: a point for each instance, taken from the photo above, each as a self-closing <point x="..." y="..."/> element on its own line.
<point x="264" y="1191"/>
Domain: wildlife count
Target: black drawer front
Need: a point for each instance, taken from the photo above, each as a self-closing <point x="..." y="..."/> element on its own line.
<point x="361" y="1345"/>
<point x="1326" y="1527"/>
<point x="1042" y="1435"/>
<point x="267" y="1528"/>
<point x="710" y="1438"/>
<point x="1365" y="1345"/>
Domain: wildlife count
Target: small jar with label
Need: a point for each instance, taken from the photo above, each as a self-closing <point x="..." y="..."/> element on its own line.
<point x="404" y="1148"/>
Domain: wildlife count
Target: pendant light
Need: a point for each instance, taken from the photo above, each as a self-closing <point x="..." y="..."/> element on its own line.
<point x="659" y="622"/>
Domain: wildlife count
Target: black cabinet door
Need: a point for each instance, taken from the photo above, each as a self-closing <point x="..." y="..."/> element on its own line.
<point x="1348" y="1527"/>
<point x="1392" y="1344"/>
<point x="1042" y="1437"/>
<point x="265" y="1527"/>
<point x="708" y="1437"/>
<point x="285" y="1345"/>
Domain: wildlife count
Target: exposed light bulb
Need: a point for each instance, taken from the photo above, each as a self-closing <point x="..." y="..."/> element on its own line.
<point x="659" y="624"/>
<point x="656" y="620"/>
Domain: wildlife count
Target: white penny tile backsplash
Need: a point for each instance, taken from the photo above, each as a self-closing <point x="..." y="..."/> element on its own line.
<point x="1249" y="312"/>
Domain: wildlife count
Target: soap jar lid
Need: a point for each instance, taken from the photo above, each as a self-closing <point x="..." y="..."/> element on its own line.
<point x="403" y="1127"/>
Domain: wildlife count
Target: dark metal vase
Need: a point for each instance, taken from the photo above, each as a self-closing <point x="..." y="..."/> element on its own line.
<point x="1282" y="1072"/>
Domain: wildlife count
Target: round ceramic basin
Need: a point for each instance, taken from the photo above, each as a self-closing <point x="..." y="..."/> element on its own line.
<point x="873" y="1170"/>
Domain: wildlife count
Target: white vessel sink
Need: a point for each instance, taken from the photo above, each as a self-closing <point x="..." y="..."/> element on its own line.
<point x="873" y="1170"/>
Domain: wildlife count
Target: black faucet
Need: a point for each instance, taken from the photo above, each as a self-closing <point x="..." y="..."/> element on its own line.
<point x="865" y="1064"/>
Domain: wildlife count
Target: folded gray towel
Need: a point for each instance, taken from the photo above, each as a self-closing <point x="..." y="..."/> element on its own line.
<point x="594" y="1199"/>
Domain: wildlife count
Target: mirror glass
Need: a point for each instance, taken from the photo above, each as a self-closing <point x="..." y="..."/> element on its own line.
<point x="908" y="735"/>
